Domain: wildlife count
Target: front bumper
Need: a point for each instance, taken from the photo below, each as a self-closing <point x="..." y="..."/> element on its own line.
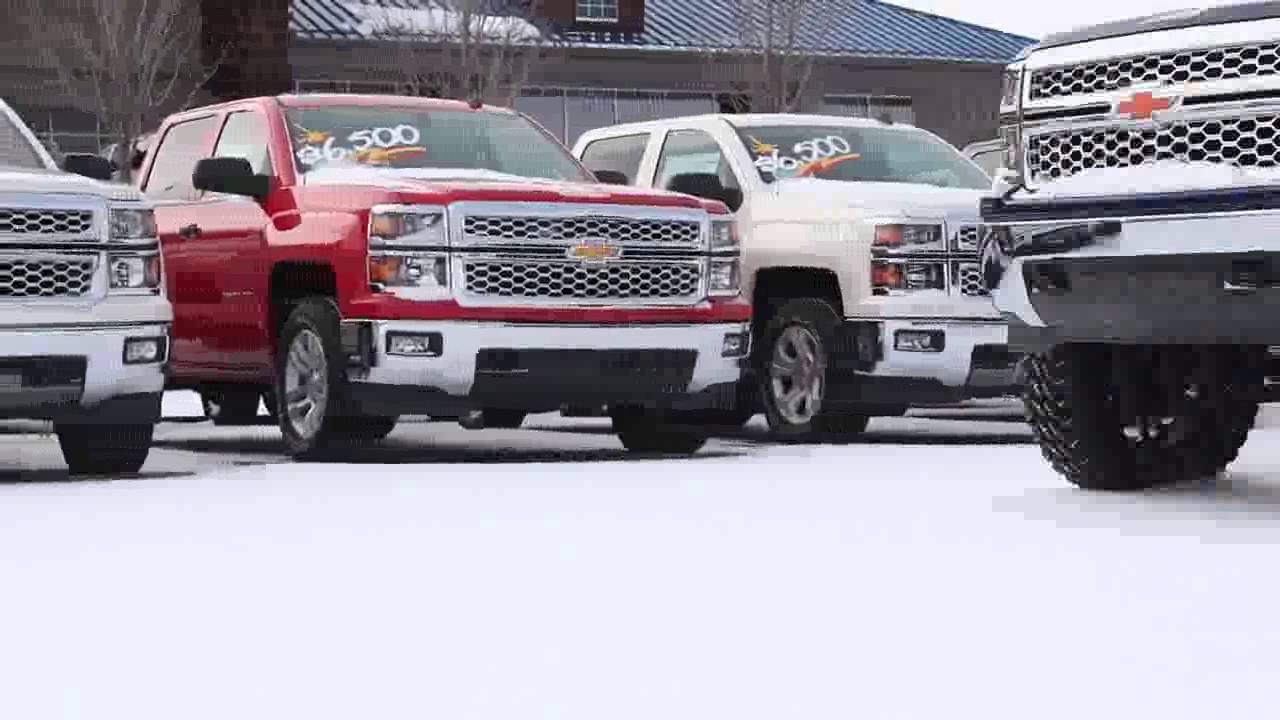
<point x="467" y="365"/>
<point x="79" y="373"/>
<point x="966" y="359"/>
<point x="1136" y="270"/>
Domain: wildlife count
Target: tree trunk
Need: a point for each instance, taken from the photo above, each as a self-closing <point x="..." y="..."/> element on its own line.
<point x="252" y="39"/>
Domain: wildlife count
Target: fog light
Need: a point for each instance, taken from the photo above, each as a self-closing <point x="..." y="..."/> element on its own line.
<point x="139" y="351"/>
<point x="919" y="340"/>
<point x="735" y="345"/>
<point x="418" y="344"/>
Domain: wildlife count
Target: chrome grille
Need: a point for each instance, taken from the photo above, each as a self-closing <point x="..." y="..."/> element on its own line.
<point x="965" y="239"/>
<point x="61" y="277"/>
<point x="1245" y="142"/>
<point x="1224" y="63"/>
<point x="966" y="278"/>
<point x="512" y="278"/>
<point x="621" y="230"/>
<point x="20" y="221"/>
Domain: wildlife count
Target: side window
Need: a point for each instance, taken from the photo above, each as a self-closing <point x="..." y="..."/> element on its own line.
<point x="182" y="146"/>
<point x="245" y="136"/>
<point x="693" y="151"/>
<point x="15" y="150"/>
<point x="989" y="160"/>
<point x="622" y="154"/>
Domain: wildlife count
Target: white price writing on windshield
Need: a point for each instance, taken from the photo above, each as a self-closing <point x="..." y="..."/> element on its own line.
<point x="361" y="140"/>
<point x="806" y="151"/>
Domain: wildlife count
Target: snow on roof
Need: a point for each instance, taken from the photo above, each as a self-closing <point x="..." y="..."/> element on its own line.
<point x="862" y="28"/>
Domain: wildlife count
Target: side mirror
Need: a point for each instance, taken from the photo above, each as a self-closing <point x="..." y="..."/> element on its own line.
<point x="90" y="166"/>
<point x="612" y="177"/>
<point x="706" y="186"/>
<point x="230" y="175"/>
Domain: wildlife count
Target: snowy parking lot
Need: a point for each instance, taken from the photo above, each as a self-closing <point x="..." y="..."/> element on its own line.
<point x="937" y="569"/>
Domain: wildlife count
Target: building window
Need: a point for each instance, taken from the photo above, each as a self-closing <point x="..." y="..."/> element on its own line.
<point x="598" y="10"/>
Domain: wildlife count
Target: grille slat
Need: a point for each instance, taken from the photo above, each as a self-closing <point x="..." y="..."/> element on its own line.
<point x="965" y="239"/>
<point x="70" y="277"/>
<point x="1172" y="68"/>
<point x="558" y="230"/>
<point x="1243" y="142"/>
<point x="620" y="281"/>
<point x="967" y="279"/>
<point x="41" y="222"/>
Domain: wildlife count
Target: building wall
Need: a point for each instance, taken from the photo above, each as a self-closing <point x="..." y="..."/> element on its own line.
<point x="957" y="101"/>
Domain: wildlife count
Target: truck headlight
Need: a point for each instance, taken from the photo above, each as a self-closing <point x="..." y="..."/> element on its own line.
<point x="898" y="277"/>
<point x="901" y="238"/>
<point x="133" y="223"/>
<point x="391" y="269"/>
<point x="407" y="225"/>
<point x="724" y="234"/>
<point x="724" y="277"/>
<point x="134" y="272"/>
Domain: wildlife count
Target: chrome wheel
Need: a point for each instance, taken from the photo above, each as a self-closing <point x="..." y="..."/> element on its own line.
<point x="306" y="384"/>
<point x="797" y="375"/>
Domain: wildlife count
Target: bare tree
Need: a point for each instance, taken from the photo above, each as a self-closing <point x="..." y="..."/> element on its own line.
<point x="479" y="50"/>
<point x="131" y="62"/>
<point x="770" y="59"/>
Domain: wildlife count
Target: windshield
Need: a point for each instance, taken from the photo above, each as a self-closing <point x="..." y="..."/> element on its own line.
<point x="15" y="149"/>
<point x="859" y="154"/>
<point x="408" y="138"/>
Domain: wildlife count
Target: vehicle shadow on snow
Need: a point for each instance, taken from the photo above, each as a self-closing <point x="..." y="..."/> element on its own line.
<point x="1213" y="509"/>
<point x="16" y="476"/>
<point x="756" y="434"/>
<point x="406" y="450"/>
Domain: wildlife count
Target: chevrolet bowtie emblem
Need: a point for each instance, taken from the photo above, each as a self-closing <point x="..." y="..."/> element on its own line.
<point x="594" y="251"/>
<point x="1143" y="105"/>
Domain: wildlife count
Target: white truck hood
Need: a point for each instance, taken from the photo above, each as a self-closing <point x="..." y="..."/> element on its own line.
<point x="905" y="200"/>
<point x="44" y="182"/>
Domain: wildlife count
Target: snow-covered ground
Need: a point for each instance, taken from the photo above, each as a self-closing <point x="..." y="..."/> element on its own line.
<point x="937" y="570"/>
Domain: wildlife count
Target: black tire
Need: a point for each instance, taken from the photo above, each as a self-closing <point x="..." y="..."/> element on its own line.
<point x="504" y="419"/>
<point x="231" y="405"/>
<point x="104" y="449"/>
<point x="366" y="429"/>
<point x="649" y="433"/>
<point x="817" y="319"/>
<point x="315" y="318"/>
<point x="1069" y="402"/>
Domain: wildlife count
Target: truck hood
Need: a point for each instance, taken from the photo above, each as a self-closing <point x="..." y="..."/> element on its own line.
<point x="1173" y="20"/>
<point x="907" y="200"/>
<point x="57" y="181"/>
<point x="448" y="185"/>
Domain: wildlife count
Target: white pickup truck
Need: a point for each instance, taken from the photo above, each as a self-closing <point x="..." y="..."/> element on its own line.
<point x="84" y="320"/>
<point x="860" y="255"/>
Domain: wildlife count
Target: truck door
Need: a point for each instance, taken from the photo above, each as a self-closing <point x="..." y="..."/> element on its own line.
<point x="232" y="238"/>
<point x="189" y="275"/>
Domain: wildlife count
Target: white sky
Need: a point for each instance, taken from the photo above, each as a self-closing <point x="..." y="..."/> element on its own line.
<point x="1037" y="18"/>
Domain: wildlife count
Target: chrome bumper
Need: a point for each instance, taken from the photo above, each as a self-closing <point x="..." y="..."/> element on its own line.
<point x="1126" y="277"/>
<point x="462" y="364"/>
<point x="56" y="371"/>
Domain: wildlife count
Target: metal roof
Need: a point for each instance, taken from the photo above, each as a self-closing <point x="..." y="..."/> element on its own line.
<point x="861" y="28"/>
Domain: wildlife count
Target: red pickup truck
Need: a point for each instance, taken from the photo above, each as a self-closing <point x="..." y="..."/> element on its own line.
<point x="366" y="257"/>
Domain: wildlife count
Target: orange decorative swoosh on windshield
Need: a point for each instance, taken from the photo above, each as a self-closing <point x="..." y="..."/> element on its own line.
<point x="383" y="155"/>
<point x="825" y="164"/>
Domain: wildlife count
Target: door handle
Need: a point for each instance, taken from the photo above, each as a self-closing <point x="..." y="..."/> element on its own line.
<point x="189" y="231"/>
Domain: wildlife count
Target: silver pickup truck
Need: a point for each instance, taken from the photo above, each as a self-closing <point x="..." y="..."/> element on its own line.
<point x="1133" y="239"/>
<point x="84" y="320"/>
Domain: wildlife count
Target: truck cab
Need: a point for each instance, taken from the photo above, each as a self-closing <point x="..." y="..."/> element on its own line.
<point x="859" y="253"/>
<point x="351" y="259"/>
<point x="84" y="321"/>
